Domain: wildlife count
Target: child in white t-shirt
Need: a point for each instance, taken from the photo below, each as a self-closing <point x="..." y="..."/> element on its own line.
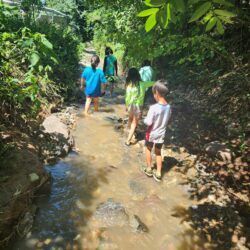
<point x="157" y="121"/>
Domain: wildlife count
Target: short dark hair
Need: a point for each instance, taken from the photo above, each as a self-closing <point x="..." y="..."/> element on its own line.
<point x="108" y="51"/>
<point x="95" y="60"/>
<point x="161" y="86"/>
<point x="146" y="63"/>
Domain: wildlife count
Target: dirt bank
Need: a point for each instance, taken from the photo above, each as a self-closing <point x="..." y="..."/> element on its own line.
<point x="22" y="176"/>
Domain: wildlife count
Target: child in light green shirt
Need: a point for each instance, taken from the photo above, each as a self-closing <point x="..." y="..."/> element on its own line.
<point x="135" y="93"/>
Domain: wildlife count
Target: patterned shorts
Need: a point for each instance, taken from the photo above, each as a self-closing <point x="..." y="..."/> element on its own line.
<point x="135" y="110"/>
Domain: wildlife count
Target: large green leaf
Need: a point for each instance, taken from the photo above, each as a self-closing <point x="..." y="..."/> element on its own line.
<point x="158" y="2"/>
<point x="211" y="23"/>
<point x="179" y="5"/>
<point x="27" y="43"/>
<point x="155" y="3"/>
<point x="34" y="58"/>
<point x="223" y="2"/>
<point x="47" y="43"/>
<point x="192" y="2"/>
<point x="150" y="23"/>
<point x="201" y="11"/>
<point x="172" y="15"/>
<point x="219" y="27"/>
<point x="148" y="12"/>
<point x="224" y="13"/>
<point x="162" y="16"/>
<point x="225" y="19"/>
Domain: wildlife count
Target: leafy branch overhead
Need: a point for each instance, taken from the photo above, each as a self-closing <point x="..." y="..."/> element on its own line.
<point x="214" y="14"/>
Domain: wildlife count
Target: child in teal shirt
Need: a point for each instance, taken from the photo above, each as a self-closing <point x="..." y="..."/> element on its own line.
<point x="135" y="93"/>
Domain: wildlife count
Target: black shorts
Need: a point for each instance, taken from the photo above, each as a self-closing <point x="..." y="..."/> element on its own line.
<point x="150" y="144"/>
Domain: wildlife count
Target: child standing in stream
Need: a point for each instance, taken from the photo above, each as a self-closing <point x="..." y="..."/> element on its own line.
<point x="134" y="98"/>
<point x="157" y="121"/>
<point x="110" y="68"/>
<point x="93" y="82"/>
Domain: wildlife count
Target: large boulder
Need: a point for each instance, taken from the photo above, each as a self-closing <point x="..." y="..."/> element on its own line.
<point x="56" y="140"/>
<point x="53" y="125"/>
<point x="111" y="213"/>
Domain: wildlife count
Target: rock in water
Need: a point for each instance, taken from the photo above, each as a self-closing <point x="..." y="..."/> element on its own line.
<point x="137" y="225"/>
<point x="138" y="190"/>
<point x="111" y="213"/>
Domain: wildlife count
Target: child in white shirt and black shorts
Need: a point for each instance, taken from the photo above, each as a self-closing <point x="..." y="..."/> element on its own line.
<point x="157" y="121"/>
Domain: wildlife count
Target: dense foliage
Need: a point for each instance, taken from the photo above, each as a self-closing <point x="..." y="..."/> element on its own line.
<point x="182" y="39"/>
<point x="39" y="61"/>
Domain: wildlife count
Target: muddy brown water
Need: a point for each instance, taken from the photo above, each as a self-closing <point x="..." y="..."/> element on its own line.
<point x="105" y="168"/>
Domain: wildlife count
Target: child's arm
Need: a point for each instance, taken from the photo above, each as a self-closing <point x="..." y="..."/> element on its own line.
<point x="116" y="67"/>
<point x="83" y="83"/>
<point x="103" y="83"/>
<point x="104" y="64"/>
<point x="127" y="97"/>
<point x="149" y="120"/>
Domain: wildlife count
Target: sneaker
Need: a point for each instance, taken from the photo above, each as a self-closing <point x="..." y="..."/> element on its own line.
<point x="147" y="171"/>
<point x="156" y="176"/>
<point x="127" y="144"/>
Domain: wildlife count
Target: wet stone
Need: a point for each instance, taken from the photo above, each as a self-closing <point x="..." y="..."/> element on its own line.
<point x="107" y="245"/>
<point x="111" y="213"/>
<point x="138" y="190"/>
<point x="137" y="225"/>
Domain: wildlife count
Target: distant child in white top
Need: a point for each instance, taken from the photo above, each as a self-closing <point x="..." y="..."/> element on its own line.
<point x="157" y="121"/>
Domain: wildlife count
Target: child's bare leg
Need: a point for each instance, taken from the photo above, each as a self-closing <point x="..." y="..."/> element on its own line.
<point x="158" y="160"/>
<point x="96" y="104"/>
<point x="132" y="128"/>
<point x="148" y="157"/>
<point x="111" y="88"/>
<point x="87" y="105"/>
<point x="130" y="119"/>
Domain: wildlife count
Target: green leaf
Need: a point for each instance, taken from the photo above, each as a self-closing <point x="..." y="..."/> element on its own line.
<point x="219" y="27"/>
<point x="211" y="23"/>
<point x="223" y="2"/>
<point x="54" y="60"/>
<point x="150" y="23"/>
<point x="47" y="43"/>
<point x="40" y="68"/>
<point x="155" y="4"/>
<point x="192" y="2"/>
<point x="34" y="58"/>
<point x="168" y="15"/>
<point x="225" y="19"/>
<point x="162" y="16"/>
<point x="202" y="10"/>
<point x="179" y="5"/>
<point x="172" y="17"/>
<point x="27" y="43"/>
<point x="224" y="13"/>
<point x="158" y="2"/>
<point x="148" y="12"/>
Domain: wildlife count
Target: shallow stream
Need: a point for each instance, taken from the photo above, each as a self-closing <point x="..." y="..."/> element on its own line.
<point x="105" y="168"/>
